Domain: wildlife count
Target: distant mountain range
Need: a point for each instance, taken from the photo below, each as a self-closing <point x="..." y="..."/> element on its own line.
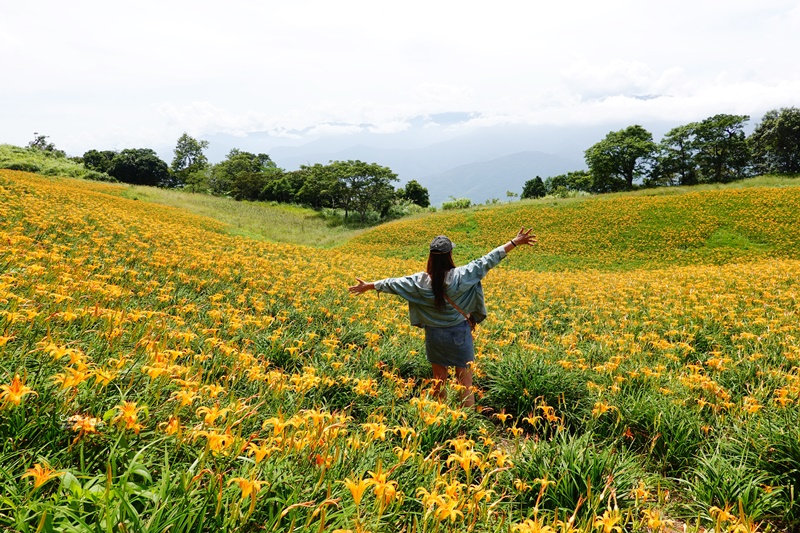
<point x="485" y="180"/>
<point x="479" y="163"/>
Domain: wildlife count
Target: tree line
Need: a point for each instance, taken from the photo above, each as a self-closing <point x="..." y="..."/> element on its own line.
<point x="714" y="150"/>
<point x="351" y="186"/>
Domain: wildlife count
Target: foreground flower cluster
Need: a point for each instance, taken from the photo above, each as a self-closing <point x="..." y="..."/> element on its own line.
<point x="157" y="373"/>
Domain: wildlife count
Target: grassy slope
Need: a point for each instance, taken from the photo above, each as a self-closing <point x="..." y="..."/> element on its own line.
<point x="278" y="223"/>
<point x="653" y="228"/>
<point x="646" y="229"/>
<point x="250" y="219"/>
<point x="47" y="164"/>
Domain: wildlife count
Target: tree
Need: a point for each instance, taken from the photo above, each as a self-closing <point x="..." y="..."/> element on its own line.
<point x="40" y="143"/>
<point x="364" y="187"/>
<point x="775" y="142"/>
<point x="189" y="159"/>
<point x="415" y="193"/>
<point x="722" y="151"/>
<point x="619" y="159"/>
<point x="534" y="188"/>
<point x="99" y="160"/>
<point x="317" y="186"/>
<point x="139" y="166"/>
<point x="675" y="160"/>
<point x="243" y="175"/>
<point x="561" y="185"/>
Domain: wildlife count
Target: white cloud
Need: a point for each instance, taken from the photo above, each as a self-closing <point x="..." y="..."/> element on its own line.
<point x="608" y="78"/>
<point x="393" y="126"/>
<point x="198" y="118"/>
<point x="122" y="74"/>
<point x="334" y="129"/>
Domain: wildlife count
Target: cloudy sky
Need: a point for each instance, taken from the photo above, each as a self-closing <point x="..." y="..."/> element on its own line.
<point x="111" y="75"/>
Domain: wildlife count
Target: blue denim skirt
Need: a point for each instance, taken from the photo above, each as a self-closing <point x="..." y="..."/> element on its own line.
<point x="450" y="346"/>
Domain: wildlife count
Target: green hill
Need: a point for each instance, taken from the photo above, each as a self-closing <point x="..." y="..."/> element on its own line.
<point x="749" y="220"/>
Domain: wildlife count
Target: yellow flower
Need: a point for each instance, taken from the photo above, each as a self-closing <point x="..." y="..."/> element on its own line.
<point x="601" y="408"/>
<point x="608" y="522"/>
<point x="13" y="394"/>
<point x="501" y="458"/>
<point x="185" y="396"/>
<point x="214" y="390"/>
<point x="641" y="492"/>
<point x="375" y="430"/>
<point x="384" y="490"/>
<point x="357" y="488"/>
<point x="103" y="376"/>
<point x="211" y="414"/>
<point x="429" y="499"/>
<point x="172" y="426"/>
<point x="41" y="474"/>
<point x="71" y="378"/>
<point x="466" y="459"/>
<point x="532" y="526"/>
<point x="502" y="416"/>
<point x="278" y="425"/>
<point x="654" y="520"/>
<point x="129" y="416"/>
<point x="402" y="454"/>
<point x="449" y="511"/>
<point x="520" y="485"/>
<point x="249" y="487"/>
<point x="721" y="515"/>
<point x="516" y="431"/>
<point x="83" y="425"/>
<point x="259" y="452"/>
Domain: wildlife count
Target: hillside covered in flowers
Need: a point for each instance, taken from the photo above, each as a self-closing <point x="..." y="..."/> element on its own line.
<point x="158" y="373"/>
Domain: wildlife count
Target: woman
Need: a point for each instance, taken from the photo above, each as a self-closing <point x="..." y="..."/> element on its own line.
<point x="444" y="300"/>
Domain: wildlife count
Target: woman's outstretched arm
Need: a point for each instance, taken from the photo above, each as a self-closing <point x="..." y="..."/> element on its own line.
<point x="362" y="287"/>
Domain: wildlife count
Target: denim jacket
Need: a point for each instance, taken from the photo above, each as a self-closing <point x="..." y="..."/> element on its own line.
<point x="462" y="285"/>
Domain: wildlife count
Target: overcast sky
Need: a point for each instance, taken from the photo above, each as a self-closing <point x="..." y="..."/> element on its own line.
<point x="116" y="74"/>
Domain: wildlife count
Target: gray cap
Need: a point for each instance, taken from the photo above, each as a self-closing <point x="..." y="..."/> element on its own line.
<point x="442" y="245"/>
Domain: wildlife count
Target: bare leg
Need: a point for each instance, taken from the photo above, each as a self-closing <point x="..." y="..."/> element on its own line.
<point x="464" y="376"/>
<point x="439" y="381"/>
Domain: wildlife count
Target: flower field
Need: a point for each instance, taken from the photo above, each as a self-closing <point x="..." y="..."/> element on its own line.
<point x="159" y="374"/>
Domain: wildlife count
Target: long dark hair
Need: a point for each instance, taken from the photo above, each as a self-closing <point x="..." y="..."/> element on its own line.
<point x="438" y="267"/>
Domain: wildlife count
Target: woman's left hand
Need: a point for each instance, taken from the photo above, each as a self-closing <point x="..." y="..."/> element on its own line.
<point x="525" y="237"/>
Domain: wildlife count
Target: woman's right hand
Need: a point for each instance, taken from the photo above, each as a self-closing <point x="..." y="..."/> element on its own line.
<point x="361" y="287"/>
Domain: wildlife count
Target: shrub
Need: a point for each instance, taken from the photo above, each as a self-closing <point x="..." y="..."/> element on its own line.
<point x="98" y="176"/>
<point x="403" y="208"/>
<point x="24" y="166"/>
<point x="772" y="445"/>
<point x="729" y="483"/>
<point x="519" y="384"/>
<point x="670" y="433"/>
<point x="457" y="203"/>
<point x="584" y="477"/>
